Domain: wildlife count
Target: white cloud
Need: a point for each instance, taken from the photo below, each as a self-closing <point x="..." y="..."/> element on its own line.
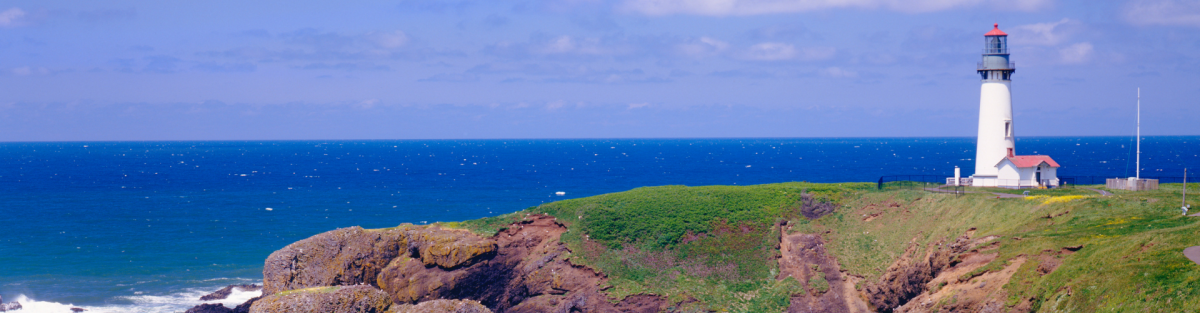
<point x="778" y="52"/>
<point x="702" y="47"/>
<point x="366" y="104"/>
<point x="26" y="71"/>
<point x="638" y="105"/>
<point x="11" y="17"/>
<point x="775" y="51"/>
<point x="389" y="40"/>
<point x="754" y="7"/>
<point x="1163" y="12"/>
<point x="571" y="45"/>
<point x="771" y="51"/>
<point x="838" y="73"/>
<point x="817" y="53"/>
<point x="1076" y="53"/>
<point x="1044" y="34"/>
<point x="555" y="105"/>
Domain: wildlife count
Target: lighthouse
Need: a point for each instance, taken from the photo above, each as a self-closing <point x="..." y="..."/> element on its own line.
<point x="996" y="162"/>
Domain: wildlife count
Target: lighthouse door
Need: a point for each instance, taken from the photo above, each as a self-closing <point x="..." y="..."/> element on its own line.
<point x="1037" y="176"/>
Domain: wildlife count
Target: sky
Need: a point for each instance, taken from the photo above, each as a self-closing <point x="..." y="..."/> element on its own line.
<point x="465" y="69"/>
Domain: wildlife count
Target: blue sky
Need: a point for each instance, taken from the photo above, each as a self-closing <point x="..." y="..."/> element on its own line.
<point x="415" y="69"/>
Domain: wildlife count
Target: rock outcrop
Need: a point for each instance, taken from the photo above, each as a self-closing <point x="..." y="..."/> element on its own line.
<point x="907" y="277"/>
<point x="827" y="289"/>
<point x="209" y="308"/>
<point x="441" y="306"/>
<point x="339" y="299"/>
<point x="521" y="269"/>
<point x="351" y="256"/>
<point x="813" y="209"/>
<point x="346" y="256"/>
<point x="11" y="306"/>
<point x="225" y="292"/>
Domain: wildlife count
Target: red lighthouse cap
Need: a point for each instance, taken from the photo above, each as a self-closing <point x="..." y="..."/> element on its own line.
<point x="995" y="31"/>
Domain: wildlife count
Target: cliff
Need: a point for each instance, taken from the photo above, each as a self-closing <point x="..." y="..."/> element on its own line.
<point x="792" y="247"/>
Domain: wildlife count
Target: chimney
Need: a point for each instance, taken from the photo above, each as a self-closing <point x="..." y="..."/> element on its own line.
<point x="1010" y="152"/>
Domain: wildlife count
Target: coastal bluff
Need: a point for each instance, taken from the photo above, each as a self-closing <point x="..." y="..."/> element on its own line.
<point x="789" y="247"/>
<point x="435" y="269"/>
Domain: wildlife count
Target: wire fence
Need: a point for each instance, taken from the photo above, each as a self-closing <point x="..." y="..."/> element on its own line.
<point x="924" y="181"/>
<point x="1101" y="180"/>
<point x="912" y="181"/>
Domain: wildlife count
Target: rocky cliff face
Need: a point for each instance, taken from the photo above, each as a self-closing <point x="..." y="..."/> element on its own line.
<point x="521" y="269"/>
<point x="361" y="298"/>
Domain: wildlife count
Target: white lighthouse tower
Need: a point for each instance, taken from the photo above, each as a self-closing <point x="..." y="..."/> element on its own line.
<point x="996" y="164"/>
<point x="995" y="108"/>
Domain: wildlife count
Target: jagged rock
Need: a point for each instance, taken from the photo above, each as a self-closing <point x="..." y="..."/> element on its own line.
<point x="224" y="292"/>
<point x="346" y="256"/>
<point x="11" y="306"/>
<point x="245" y="306"/>
<point x="813" y="209"/>
<point x="218" y="308"/>
<point x="441" y="306"/>
<point x="209" y="308"/>
<point x="451" y="249"/>
<point x="416" y="264"/>
<point x="906" y="278"/>
<point x="340" y="299"/>
<point x="351" y="256"/>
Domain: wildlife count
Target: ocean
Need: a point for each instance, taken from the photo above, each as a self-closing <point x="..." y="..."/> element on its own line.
<point x="152" y="226"/>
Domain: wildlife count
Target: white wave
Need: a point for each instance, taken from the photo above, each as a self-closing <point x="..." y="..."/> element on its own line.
<point x="176" y="302"/>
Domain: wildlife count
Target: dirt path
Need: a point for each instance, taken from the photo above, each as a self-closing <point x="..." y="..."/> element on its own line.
<point x="1102" y="192"/>
<point x="1193" y="254"/>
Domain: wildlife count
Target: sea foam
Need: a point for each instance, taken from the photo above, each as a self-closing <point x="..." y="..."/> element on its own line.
<point x="177" y="302"/>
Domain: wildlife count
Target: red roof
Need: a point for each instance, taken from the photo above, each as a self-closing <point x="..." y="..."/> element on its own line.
<point x="1031" y="160"/>
<point x="995" y="31"/>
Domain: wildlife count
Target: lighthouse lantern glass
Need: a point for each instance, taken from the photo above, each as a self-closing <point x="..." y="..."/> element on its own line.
<point x="996" y="44"/>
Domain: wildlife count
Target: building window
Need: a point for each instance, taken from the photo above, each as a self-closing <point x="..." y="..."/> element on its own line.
<point x="1007" y="128"/>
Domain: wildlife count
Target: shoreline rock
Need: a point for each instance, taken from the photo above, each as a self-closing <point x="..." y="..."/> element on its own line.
<point x="340" y="299"/>
<point x="11" y="306"/>
<point x="225" y="292"/>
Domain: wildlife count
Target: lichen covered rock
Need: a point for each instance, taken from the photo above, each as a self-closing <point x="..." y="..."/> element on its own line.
<point x="414" y="265"/>
<point x="340" y="299"/>
<point x="346" y="256"/>
<point x="441" y="306"/>
<point x="449" y="248"/>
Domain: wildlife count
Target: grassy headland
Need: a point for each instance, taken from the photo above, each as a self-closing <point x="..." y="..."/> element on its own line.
<point x="1078" y="251"/>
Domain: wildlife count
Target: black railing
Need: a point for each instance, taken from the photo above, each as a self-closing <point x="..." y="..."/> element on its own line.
<point x="1101" y="180"/>
<point x="983" y="66"/>
<point x="924" y="179"/>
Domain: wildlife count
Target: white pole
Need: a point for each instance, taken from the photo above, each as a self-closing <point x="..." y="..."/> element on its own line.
<point x="1139" y="135"/>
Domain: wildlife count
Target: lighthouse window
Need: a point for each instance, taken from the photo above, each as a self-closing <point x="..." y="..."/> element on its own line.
<point x="1007" y="128"/>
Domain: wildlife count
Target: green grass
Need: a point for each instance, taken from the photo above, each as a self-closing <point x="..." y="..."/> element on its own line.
<point x="1131" y="258"/>
<point x="717" y="244"/>
<point x="712" y="243"/>
<point x="1073" y="190"/>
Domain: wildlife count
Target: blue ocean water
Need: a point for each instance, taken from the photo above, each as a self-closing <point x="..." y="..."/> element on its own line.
<point x="149" y="226"/>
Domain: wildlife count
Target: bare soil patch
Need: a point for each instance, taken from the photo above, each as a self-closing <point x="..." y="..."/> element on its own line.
<point x="804" y="258"/>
